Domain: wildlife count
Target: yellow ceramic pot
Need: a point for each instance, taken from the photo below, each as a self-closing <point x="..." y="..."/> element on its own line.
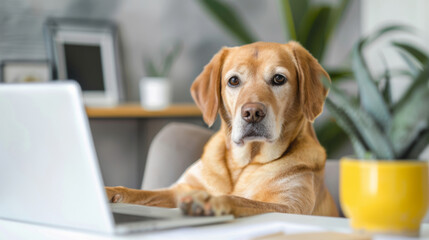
<point x="384" y="196"/>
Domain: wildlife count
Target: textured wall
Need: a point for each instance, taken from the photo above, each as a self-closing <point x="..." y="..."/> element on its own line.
<point x="21" y="23"/>
<point x="148" y="27"/>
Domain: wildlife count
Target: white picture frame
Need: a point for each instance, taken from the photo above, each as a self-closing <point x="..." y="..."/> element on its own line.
<point x="24" y="71"/>
<point x="61" y="32"/>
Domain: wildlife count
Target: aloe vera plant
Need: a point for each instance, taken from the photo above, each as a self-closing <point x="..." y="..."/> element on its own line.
<point x="309" y="22"/>
<point x="163" y="68"/>
<point x="378" y="127"/>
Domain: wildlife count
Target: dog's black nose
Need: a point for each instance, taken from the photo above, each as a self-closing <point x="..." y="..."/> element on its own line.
<point x="253" y="112"/>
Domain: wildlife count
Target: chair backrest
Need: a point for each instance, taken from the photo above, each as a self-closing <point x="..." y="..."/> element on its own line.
<point x="332" y="181"/>
<point x="178" y="145"/>
<point x="171" y="152"/>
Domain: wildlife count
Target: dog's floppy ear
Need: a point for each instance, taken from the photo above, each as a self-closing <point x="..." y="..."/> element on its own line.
<point x="311" y="90"/>
<point x="206" y="88"/>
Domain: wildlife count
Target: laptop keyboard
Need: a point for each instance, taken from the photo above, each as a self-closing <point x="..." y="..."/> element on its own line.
<point x="127" y="218"/>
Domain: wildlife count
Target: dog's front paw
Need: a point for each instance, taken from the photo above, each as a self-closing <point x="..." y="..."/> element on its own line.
<point x="116" y="194"/>
<point x="200" y="203"/>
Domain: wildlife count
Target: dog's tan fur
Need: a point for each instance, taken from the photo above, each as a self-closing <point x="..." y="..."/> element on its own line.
<point x="281" y="172"/>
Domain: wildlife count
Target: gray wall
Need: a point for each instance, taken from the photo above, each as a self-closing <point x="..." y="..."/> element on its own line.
<point x="122" y="146"/>
<point x="147" y="28"/>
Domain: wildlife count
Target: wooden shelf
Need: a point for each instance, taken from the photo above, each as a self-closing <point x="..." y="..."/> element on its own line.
<point x="134" y="110"/>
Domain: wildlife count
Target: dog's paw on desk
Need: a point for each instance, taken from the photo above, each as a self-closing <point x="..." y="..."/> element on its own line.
<point x="115" y="194"/>
<point x="200" y="203"/>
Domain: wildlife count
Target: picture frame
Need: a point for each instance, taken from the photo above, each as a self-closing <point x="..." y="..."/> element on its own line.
<point x="25" y="70"/>
<point x="86" y="51"/>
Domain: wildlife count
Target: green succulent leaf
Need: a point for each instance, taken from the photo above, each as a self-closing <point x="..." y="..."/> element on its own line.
<point x="290" y="28"/>
<point x="347" y="125"/>
<point x="419" y="83"/>
<point x="335" y="18"/>
<point x="409" y="121"/>
<point x="305" y="27"/>
<point x="411" y="113"/>
<point x="339" y="74"/>
<point x="381" y="32"/>
<point x="417" y="146"/>
<point x="413" y="51"/>
<point x="412" y="65"/>
<point x="394" y="73"/>
<point x="293" y="13"/>
<point x="330" y="135"/>
<point x="387" y="91"/>
<point x="313" y="31"/>
<point x="163" y="69"/>
<point x="151" y="69"/>
<point x="371" y="99"/>
<point x="171" y="57"/>
<point x="372" y="136"/>
<point x="229" y="18"/>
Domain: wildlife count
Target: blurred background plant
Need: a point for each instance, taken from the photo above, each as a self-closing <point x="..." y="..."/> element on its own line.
<point x="377" y="126"/>
<point x="163" y="67"/>
<point x="312" y="23"/>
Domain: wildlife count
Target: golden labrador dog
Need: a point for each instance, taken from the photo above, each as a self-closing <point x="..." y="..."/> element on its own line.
<point x="266" y="156"/>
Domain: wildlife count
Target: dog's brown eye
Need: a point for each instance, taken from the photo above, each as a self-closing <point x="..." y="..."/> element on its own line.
<point x="233" y="81"/>
<point x="279" y="79"/>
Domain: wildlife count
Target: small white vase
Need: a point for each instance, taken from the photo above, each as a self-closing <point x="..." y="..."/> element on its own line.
<point x="155" y="93"/>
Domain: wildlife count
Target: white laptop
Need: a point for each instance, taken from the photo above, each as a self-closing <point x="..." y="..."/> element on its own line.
<point x="49" y="171"/>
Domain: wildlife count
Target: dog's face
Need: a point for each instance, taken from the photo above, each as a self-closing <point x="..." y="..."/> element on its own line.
<point x="258" y="84"/>
<point x="260" y="89"/>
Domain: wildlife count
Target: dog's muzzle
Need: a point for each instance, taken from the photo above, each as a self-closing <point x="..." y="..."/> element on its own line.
<point x="252" y="126"/>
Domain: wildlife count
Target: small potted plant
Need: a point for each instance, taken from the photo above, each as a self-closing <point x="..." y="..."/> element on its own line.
<point x="384" y="187"/>
<point x="155" y="88"/>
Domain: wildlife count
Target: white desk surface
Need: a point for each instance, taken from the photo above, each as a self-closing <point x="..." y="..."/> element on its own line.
<point x="242" y="228"/>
